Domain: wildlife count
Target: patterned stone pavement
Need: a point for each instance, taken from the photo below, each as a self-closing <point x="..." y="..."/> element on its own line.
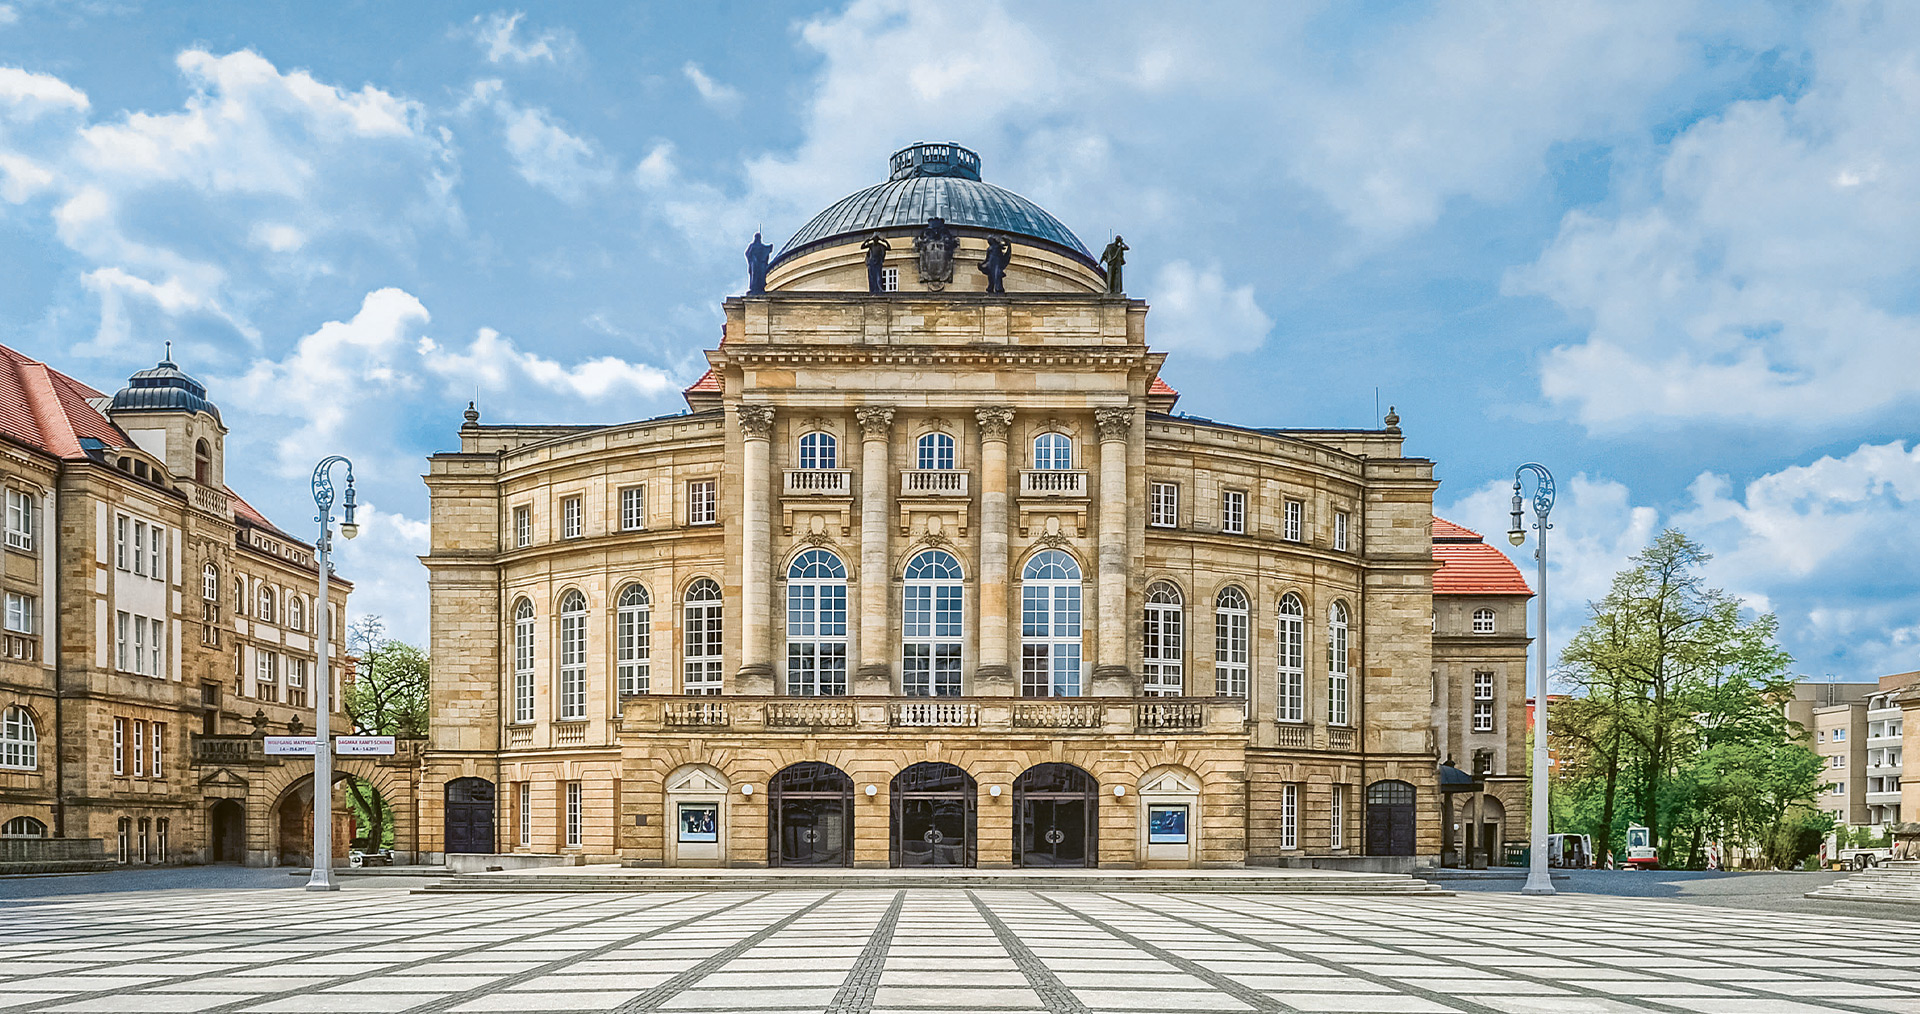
<point x="939" y="950"/>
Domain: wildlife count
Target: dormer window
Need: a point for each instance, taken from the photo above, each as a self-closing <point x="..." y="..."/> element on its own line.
<point x="202" y="462"/>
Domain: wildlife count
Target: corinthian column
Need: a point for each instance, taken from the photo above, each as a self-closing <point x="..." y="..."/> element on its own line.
<point x="993" y="676"/>
<point x="1111" y="673"/>
<point x="756" y="551"/>
<point x="875" y="675"/>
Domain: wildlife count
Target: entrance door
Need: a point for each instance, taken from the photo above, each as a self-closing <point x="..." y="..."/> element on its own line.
<point x="470" y="816"/>
<point x="933" y="816"/>
<point x="809" y="808"/>
<point x="1059" y="816"/>
<point x="229" y="838"/>
<point x="1390" y="819"/>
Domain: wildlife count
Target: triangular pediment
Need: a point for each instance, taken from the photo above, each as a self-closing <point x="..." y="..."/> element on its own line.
<point x="1171" y="783"/>
<point x="696" y="779"/>
<point x="222" y="778"/>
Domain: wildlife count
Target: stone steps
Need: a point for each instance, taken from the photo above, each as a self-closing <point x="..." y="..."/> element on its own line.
<point x="1897" y="882"/>
<point x="723" y="880"/>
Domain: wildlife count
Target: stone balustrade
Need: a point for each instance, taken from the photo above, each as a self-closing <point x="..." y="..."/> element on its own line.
<point x="817" y="482"/>
<point x="923" y="482"/>
<point x="226" y="749"/>
<point x="1044" y="482"/>
<point x="867" y="714"/>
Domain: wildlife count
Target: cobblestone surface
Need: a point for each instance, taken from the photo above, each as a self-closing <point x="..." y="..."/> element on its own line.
<point x="931" y="950"/>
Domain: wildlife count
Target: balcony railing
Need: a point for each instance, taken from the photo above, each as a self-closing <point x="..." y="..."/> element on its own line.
<point x="934" y="482"/>
<point x="1053" y="482"/>
<point x="935" y="713"/>
<point x="1292" y="734"/>
<point x="519" y="735"/>
<point x="1339" y="739"/>
<point x="1165" y="714"/>
<point x="819" y="482"/>
<point x="1073" y="716"/>
<point x="1059" y="715"/>
<point x="225" y="749"/>
<point x="569" y="733"/>
<point x="810" y="714"/>
<point x="697" y="714"/>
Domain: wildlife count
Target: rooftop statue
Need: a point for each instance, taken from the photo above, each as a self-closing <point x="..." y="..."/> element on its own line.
<point x="935" y="245"/>
<point x="757" y="254"/>
<point x="999" y="252"/>
<point x="1112" y="258"/>
<point x="876" y="248"/>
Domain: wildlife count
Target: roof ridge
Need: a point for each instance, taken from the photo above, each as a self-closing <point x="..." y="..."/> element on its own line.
<point x="56" y="429"/>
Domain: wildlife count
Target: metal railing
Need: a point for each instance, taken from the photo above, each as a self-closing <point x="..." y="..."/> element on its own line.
<point x="933" y="482"/>
<point x="818" y="482"/>
<point x="1053" y="482"/>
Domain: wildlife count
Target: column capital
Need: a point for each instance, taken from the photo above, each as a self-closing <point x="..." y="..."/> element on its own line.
<point x="1113" y="423"/>
<point x="875" y="421"/>
<point x="756" y="421"/>
<point x="995" y="421"/>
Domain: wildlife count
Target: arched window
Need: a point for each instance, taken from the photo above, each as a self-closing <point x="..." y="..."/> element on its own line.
<point x="296" y="613"/>
<point x="933" y="626"/>
<point x="700" y="672"/>
<point x="819" y="450"/>
<point x="936" y="451"/>
<point x="1164" y="642"/>
<point x="573" y="656"/>
<point x="1483" y="621"/>
<point x="1292" y="644"/>
<point x="23" y="827"/>
<point x="817" y="625"/>
<point x="1337" y="664"/>
<point x="210" y="583"/>
<point x="1230" y="632"/>
<point x="19" y="740"/>
<point x="239" y="596"/>
<point x="633" y="641"/>
<point x="265" y="612"/>
<point x="1052" y="450"/>
<point x="202" y="462"/>
<point x="523" y="661"/>
<point x="1050" y="626"/>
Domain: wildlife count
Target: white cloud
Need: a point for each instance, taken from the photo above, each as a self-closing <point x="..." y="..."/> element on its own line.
<point x="493" y="363"/>
<point x="544" y="153"/>
<point x="8" y="15"/>
<point x="1765" y="277"/>
<point x="724" y="99"/>
<point x="389" y="581"/>
<point x="1195" y="311"/>
<point x="26" y="94"/>
<point x="499" y="37"/>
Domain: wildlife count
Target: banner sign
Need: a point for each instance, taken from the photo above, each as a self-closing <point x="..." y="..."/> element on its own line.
<point x="292" y="746"/>
<point x="364" y="746"/>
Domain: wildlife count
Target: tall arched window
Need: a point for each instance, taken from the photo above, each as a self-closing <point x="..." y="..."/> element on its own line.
<point x="936" y="451"/>
<point x="296" y="613"/>
<point x="700" y="670"/>
<point x="202" y="462"/>
<point x="19" y="740"/>
<point x="1052" y="450"/>
<point x="1050" y="626"/>
<point x="523" y="661"/>
<point x="933" y="626"/>
<point x="1337" y="664"/>
<point x="1164" y="642"/>
<point x="1292" y="644"/>
<point x="819" y="450"/>
<point x="1230" y="631"/>
<point x="633" y="641"/>
<point x="210" y="583"/>
<point x="817" y="625"/>
<point x="265" y="611"/>
<point x="573" y="656"/>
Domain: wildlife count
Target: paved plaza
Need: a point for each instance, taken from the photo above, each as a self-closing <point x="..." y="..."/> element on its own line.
<point x="382" y="950"/>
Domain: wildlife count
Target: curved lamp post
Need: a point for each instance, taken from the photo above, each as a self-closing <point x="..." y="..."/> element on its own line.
<point x="1539" y="881"/>
<point x="322" y="878"/>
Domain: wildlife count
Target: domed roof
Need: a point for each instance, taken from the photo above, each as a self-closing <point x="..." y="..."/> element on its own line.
<point x="165" y="388"/>
<point x="935" y="181"/>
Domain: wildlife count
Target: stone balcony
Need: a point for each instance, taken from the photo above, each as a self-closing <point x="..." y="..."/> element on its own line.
<point x="1046" y="482"/>
<point x="934" y="482"/>
<point x="817" y="482"/>
<point x="1123" y="716"/>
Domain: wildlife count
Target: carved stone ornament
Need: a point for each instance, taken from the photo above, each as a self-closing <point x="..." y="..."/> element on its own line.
<point x="934" y="249"/>
<point x="817" y="539"/>
<point x="1053" y="540"/>
<point x="874" y="422"/>
<point x="995" y="421"/>
<point x="935" y="540"/>
<point x="1114" y="423"/>
<point x="756" y="421"/>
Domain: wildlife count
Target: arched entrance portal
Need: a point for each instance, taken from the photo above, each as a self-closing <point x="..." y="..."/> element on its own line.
<point x="1390" y="819"/>
<point x="228" y="823"/>
<point x="809" y="811"/>
<point x="934" y="819"/>
<point x="1059" y="808"/>
<point x="293" y="824"/>
<point x="469" y="813"/>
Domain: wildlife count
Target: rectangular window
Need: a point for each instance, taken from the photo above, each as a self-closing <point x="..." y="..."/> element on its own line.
<point x="139" y="645"/>
<point x="526" y="814"/>
<point x="1839" y="735"/>
<point x="1162" y="647"/>
<point x="1164" y="505"/>
<point x="633" y="637"/>
<point x="119" y="746"/>
<point x="1292" y="705"/>
<point x="931" y="630"/>
<point x="1230" y="647"/>
<point x="700" y="671"/>
<point x="120" y="559"/>
<point x="297" y="681"/>
<point x="633" y="508"/>
<point x="1233" y="512"/>
<point x="19" y="520"/>
<point x="1482" y="685"/>
<point x="570" y="518"/>
<point x="140" y="547"/>
<point x="522" y="527"/>
<point x="1292" y="523"/>
<point x="1839" y="788"/>
<point x="156" y="632"/>
<point x="266" y="675"/>
<point x="156" y="553"/>
<point x="139" y="748"/>
<point x="159" y="738"/>
<point x="889" y="279"/>
<point x="21" y="610"/>
<point x="1839" y="760"/>
<point x="1338" y="837"/>
<point x="1340" y="523"/>
<point x="1289" y="816"/>
<point x="1483" y="716"/>
<point x="573" y="666"/>
<point x="573" y="815"/>
<point x="702" y="502"/>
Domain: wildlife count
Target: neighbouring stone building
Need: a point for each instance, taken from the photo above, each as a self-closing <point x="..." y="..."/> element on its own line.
<point x="156" y="626"/>
<point x="1859" y="730"/>
<point x="934" y="575"/>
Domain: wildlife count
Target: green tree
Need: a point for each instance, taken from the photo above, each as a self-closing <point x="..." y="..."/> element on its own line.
<point x="388" y="697"/>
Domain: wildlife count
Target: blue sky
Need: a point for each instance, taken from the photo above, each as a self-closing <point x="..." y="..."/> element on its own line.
<point x="1669" y="249"/>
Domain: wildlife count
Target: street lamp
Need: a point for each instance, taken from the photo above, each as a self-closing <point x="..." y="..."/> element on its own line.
<point x="322" y="878"/>
<point x="1539" y="881"/>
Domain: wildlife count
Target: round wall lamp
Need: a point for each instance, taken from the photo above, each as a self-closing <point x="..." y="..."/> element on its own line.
<point x="1119" y="790"/>
<point x="872" y="791"/>
<point x="994" y="791"/>
<point x="746" y="790"/>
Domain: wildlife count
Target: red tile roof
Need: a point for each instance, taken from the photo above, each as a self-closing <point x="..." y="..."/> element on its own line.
<point x="48" y="410"/>
<point x="707" y="383"/>
<point x="1161" y="387"/>
<point x="1468" y="566"/>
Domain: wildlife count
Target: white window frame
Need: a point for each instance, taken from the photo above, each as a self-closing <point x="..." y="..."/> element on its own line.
<point x="889" y="279"/>
<point x="633" y="641"/>
<point x="523" y="634"/>
<point x="156" y="647"/>
<point x="1291" y="644"/>
<point x="1232" y="641"/>
<point x="572" y="518"/>
<point x="703" y="502"/>
<point x="1293" y="523"/>
<point x="157" y="738"/>
<point x="817" y="625"/>
<point x="704" y="635"/>
<point x="1052" y="608"/>
<point x="1483" y="621"/>
<point x="139" y="748"/>
<point x="576" y="833"/>
<point x="934" y="452"/>
<point x="1290" y="815"/>
<point x="1233" y="512"/>
<point x="296" y="613"/>
<point x="119" y="746"/>
<point x="819" y="451"/>
<point x="1339" y="678"/>
<point x="21" y="613"/>
<point x="1052" y="451"/>
<point x="525" y="793"/>
<point x="156" y="552"/>
<point x="121" y="523"/>
<point x="933" y="626"/>
<point x="266" y="604"/>
<point x="522" y="526"/>
<point x="20" y="520"/>
<point x="123" y="640"/>
<point x="1337" y="818"/>
<point x="210" y="583"/>
<point x="140" y="548"/>
<point x="1163" y="504"/>
<point x="1342" y="524"/>
<point x="19" y="740"/>
<point x="1482" y="700"/>
<point x="1163" y="642"/>
<point x="633" y="508"/>
<point x="570" y="696"/>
